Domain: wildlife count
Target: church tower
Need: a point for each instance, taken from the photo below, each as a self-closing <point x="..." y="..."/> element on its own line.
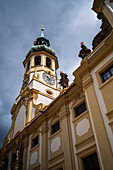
<point x="39" y="86"/>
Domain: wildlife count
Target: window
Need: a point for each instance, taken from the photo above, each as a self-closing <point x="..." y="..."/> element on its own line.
<point x="48" y="62"/>
<point x="34" y="142"/>
<point x="91" y="162"/>
<point x="80" y="109"/>
<point x="28" y="65"/>
<point x="107" y="73"/>
<point x="37" y="60"/>
<point x="55" y="128"/>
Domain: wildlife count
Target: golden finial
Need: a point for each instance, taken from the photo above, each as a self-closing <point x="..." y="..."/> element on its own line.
<point x="42" y="29"/>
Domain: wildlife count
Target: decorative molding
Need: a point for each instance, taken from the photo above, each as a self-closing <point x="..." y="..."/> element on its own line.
<point x="82" y="127"/>
<point x="110" y="117"/>
<point x="33" y="158"/>
<point x="55" y="144"/>
<point x="87" y="81"/>
<point x="105" y="30"/>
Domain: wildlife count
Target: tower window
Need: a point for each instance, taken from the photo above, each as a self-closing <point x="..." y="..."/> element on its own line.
<point x="55" y="128"/>
<point x="80" y="109"/>
<point x="107" y="73"/>
<point x="91" y="162"/>
<point x="28" y="65"/>
<point x="34" y="142"/>
<point x="37" y="60"/>
<point x="48" y="62"/>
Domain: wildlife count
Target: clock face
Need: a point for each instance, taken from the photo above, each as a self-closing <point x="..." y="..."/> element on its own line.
<point x="49" y="79"/>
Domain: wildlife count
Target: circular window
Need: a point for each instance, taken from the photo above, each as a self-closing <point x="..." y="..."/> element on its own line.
<point x="49" y="92"/>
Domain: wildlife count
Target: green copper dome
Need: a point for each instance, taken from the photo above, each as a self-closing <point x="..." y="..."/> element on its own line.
<point x="41" y="44"/>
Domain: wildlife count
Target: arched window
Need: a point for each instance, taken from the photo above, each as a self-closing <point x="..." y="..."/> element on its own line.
<point x="48" y="62"/>
<point x="37" y="60"/>
<point x="28" y="65"/>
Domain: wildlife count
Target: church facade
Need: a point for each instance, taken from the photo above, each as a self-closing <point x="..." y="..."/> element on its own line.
<point x="69" y="128"/>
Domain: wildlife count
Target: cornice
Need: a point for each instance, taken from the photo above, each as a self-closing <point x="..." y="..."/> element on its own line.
<point x="87" y="82"/>
<point x="97" y="5"/>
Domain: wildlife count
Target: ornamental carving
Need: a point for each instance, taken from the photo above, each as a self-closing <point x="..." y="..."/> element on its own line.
<point x="55" y="144"/>
<point x="84" y="51"/>
<point x="105" y="30"/>
<point x="64" y="80"/>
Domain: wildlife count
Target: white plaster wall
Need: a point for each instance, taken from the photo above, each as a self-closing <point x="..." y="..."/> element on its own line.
<point x="31" y="85"/>
<point x="43" y="99"/>
<point x="55" y="144"/>
<point x="42" y="88"/>
<point x="100" y="98"/>
<point x="33" y="158"/>
<point x="73" y="135"/>
<point x="33" y="112"/>
<point x="19" y="123"/>
<point x="82" y="127"/>
<point x="31" y="76"/>
<point x="43" y="61"/>
<point x="53" y="61"/>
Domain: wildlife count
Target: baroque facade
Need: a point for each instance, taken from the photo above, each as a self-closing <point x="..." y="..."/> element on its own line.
<point x="69" y="129"/>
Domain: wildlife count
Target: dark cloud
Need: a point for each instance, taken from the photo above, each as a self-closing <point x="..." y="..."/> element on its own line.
<point x="66" y="24"/>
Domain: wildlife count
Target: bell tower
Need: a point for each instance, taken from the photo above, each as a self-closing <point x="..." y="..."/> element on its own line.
<point x="39" y="87"/>
<point x="40" y="70"/>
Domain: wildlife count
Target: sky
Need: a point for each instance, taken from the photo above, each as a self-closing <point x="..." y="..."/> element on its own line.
<point x="66" y="24"/>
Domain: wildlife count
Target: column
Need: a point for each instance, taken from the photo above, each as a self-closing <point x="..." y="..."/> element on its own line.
<point x="101" y="138"/>
<point x="44" y="149"/>
<point x="67" y="139"/>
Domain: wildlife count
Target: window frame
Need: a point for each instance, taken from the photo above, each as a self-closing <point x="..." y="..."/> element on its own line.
<point x="52" y="125"/>
<point x="33" y="138"/>
<point x="108" y="70"/>
<point x="35" y="60"/>
<point x="50" y="62"/>
<point x="91" y="155"/>
<point x="77" y="107"/>
<point x="101" y="70"/>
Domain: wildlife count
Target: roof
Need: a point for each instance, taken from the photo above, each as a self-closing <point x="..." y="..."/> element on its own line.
<point x="63" y="92"/>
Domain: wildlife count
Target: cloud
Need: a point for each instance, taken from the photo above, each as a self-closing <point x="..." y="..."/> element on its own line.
<point x="66" y="24"/>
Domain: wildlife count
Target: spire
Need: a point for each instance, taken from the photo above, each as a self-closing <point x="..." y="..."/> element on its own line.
<point x="42" y="40"/>
<point x="42" y="32"/>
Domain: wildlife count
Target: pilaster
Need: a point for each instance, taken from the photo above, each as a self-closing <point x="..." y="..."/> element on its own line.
<point x="25" y="153"/>
<point x="99" y="130"/>
<point x="44" y="149"/>
<point x="32" y="96"/>
<point x="67" y="138"/>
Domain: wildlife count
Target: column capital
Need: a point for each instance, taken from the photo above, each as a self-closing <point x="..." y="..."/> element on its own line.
<point x="44" y="128"/>
<point x="64" y="112"/>
<point x="26" y="141"/>
<point x="87" y="80"/>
